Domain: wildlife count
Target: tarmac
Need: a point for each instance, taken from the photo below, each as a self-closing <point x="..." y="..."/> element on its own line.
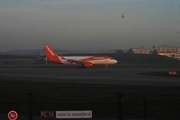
<point x="71" y="74"/>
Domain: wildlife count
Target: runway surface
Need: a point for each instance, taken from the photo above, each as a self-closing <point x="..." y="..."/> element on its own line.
<point x="123" y="76"/>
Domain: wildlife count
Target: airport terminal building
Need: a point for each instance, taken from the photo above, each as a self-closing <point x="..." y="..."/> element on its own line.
<point x="169" y="51"/>
<point x="142" y="50"/>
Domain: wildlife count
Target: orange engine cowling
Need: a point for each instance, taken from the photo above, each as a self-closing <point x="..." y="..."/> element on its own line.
<point x="88" y="65"/>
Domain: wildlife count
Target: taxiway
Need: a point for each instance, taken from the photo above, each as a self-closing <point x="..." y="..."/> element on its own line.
<point x="123" y="76"/>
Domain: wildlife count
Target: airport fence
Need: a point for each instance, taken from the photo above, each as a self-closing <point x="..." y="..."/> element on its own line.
<point x="47" y="110"/>
<point x="135" y="106"/>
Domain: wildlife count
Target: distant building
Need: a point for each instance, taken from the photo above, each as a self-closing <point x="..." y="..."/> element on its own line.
<point x="177" y="56"/>
<point x="142" y="50"/>
<point x="166" y="50"/>
<point x="169" y="51"/>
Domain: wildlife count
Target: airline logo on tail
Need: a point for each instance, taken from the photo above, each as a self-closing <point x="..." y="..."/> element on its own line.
<point x="51" y="55"/>
<point x="49" y="49"/>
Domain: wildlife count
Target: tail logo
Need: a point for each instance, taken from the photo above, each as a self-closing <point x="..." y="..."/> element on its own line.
<point x="52" y="53"/>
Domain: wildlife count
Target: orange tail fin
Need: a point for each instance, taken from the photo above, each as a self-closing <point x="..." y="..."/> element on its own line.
<point x="49" y="51"/>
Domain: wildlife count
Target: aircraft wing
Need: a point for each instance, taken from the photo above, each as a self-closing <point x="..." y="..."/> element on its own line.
<point x="82" y="63"/>
<point x="73" y="61"/>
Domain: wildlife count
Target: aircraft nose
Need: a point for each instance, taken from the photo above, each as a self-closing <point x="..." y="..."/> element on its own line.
<point x="115" y="61"/>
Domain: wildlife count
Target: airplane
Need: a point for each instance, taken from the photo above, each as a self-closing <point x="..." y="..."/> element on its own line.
<point x="81" y="61"/>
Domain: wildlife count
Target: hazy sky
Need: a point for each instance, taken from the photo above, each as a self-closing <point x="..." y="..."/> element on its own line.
<point x="88" y="24"/>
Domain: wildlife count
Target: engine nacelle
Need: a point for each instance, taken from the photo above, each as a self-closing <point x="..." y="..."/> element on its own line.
<point x="88" y="65"/>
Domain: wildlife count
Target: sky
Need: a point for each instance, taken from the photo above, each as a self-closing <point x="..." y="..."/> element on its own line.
<point x="88" y="24"/>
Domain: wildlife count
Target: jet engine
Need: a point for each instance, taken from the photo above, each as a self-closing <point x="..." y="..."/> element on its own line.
<point x="88" y="65"/>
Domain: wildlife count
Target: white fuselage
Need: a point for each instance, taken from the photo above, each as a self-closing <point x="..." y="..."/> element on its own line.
<point x="91" y="59"/>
